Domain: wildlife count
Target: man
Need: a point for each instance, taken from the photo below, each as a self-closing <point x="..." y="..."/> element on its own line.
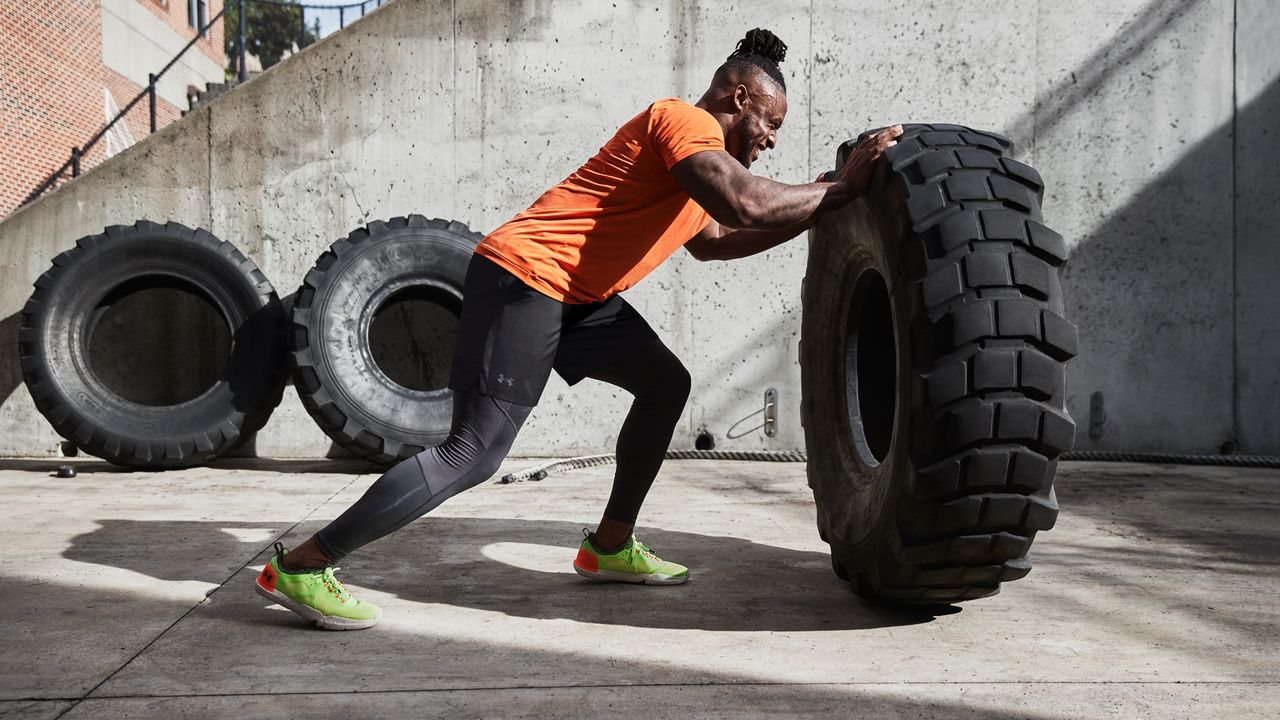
<point x="541" y="293"/>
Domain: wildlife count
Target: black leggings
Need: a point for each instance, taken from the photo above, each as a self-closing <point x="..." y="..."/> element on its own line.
<point x="484" y="429"/>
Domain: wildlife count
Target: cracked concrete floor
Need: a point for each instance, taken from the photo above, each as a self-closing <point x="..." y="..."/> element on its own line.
<point x="128" y="595"/>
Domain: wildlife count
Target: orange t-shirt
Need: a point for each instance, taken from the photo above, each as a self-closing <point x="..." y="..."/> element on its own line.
<point x="617" y="217"/>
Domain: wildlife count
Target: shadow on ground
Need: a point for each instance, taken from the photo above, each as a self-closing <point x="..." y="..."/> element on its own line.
<point x="88" y="465"/>
<point x="338" y="466"/>
<point x="719" y="697"/>
<point x="1228" y="516"/>
<point x="522" y="568"/>
<point x="83" y="466"/>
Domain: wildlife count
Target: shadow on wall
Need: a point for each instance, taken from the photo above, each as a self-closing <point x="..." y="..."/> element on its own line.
<point x="1135" y="286"/>
<point x="522" y="568"/>
<point x="1152" y="291"/>
<point x="10" y="366"/>
<point x="1101" y="67"/>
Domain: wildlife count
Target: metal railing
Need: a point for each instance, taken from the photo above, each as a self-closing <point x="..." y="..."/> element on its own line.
<point x="302" y="21"/>
<point x="78" y="153"/>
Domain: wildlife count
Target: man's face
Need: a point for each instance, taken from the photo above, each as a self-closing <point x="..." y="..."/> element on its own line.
<point x="756" y="129"/>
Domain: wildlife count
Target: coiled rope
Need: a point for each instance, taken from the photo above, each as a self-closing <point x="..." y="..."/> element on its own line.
<point x="541" y="472"/>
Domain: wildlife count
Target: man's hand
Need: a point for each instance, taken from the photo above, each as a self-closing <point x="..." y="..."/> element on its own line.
<point x="858" y="166"/>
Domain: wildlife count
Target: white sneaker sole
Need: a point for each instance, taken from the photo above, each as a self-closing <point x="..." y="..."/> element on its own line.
<point x="607" y="576"/>
<point x="327" y="622"/>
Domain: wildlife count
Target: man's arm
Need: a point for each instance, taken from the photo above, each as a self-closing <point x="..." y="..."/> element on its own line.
<point x="734" y="197"/>
<point x="717" y="242"/>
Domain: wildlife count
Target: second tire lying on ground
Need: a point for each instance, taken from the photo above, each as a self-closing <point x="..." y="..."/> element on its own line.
<point x="932" y="368"/>
<point x="374" y="326"/>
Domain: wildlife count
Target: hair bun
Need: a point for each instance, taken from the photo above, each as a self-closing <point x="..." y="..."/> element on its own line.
<point x="762" y="42"/>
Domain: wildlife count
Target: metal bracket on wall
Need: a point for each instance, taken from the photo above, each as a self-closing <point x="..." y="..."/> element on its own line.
<point x="1097" y="416"/>
<point x="770" y="411"/>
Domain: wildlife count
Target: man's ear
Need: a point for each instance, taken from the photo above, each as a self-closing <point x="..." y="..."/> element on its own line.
<point x="740" y="98"/>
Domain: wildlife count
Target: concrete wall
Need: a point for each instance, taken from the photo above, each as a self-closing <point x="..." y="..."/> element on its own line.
<point x="470" y="109"/>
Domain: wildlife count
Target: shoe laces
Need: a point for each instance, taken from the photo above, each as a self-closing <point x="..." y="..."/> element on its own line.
<point x="325" y="575"/>
<point x="333" y="584"/>
<point x="643" y="550"/>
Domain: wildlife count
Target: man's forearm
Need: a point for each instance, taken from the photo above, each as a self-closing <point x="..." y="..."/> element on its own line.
<point x="774" y="206"/>
<point x="734" y="244"/>
<point x="736" y="198"/>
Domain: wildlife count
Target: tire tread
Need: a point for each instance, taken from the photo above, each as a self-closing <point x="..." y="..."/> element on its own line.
<point x="993" y="372"/>
<point x="102" y="440"/>
<point x="340" y="426"/>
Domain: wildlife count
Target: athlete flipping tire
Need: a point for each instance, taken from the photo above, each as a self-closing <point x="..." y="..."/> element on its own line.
<point x="140" y="423"/>
<point x="932" y="369"/>
<point x="360" y="403"/>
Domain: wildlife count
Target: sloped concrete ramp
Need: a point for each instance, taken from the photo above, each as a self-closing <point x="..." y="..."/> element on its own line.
<point x="128" y="595"/>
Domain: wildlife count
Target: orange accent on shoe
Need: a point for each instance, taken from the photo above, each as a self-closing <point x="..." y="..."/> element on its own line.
<point x="267" y="579"/>
<point x="587" y="561"/>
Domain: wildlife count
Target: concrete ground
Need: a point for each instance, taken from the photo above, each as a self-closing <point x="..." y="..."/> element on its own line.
<point x="128" y="595"/>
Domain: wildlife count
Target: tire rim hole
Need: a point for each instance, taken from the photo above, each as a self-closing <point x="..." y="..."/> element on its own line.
<point x="158" y="341"/>
<point x="870" y="365"/>
<point x="412" y="336"/>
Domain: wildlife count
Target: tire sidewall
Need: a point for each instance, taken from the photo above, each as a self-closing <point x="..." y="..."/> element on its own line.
<point x="854" y="497"/>
<point x="391" y="421"/>
<point x="100" y="421"/>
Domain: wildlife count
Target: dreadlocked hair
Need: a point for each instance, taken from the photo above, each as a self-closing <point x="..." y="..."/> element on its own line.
<point x="761" y="49"/>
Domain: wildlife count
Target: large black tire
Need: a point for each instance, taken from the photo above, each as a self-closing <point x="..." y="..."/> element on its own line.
<point x="932" y="369"/>
<point x="349" y="395"/>
<point x="84" y="283"/>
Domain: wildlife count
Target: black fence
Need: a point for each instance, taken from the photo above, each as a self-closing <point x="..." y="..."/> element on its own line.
<point x="72" y="165"/>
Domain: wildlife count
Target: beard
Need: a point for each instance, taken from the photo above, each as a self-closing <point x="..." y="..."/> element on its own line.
<point x="745" y="145"/>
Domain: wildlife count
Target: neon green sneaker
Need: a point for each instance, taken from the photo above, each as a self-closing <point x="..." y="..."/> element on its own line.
<point x="316" y="595"/>
<point x="634" y="563"/>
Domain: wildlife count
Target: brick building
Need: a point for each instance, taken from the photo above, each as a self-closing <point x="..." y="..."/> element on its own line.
<point x="67" y="66"/>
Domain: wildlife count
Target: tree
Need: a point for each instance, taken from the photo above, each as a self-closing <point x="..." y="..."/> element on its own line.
<point x="271" y="30"/>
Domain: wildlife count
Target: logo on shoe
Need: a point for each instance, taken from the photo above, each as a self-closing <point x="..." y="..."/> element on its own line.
<point x="587" y="561"/>
<point x="268" y="578"/>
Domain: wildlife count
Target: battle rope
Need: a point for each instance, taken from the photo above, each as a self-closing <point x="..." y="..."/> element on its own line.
<point x="540" y="472"/>
<point x="1254" y="461"/>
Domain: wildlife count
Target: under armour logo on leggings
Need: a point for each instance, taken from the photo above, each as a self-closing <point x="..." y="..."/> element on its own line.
<point x="509" y="382"/>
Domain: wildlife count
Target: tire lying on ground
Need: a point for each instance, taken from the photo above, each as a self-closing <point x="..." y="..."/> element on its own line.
<point x="154" y="346"/>
<point x="374" y="326"/>
<point x="932" y="359"/>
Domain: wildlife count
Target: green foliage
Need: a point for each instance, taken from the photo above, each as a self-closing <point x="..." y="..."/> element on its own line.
<point x="271" y="30"/>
